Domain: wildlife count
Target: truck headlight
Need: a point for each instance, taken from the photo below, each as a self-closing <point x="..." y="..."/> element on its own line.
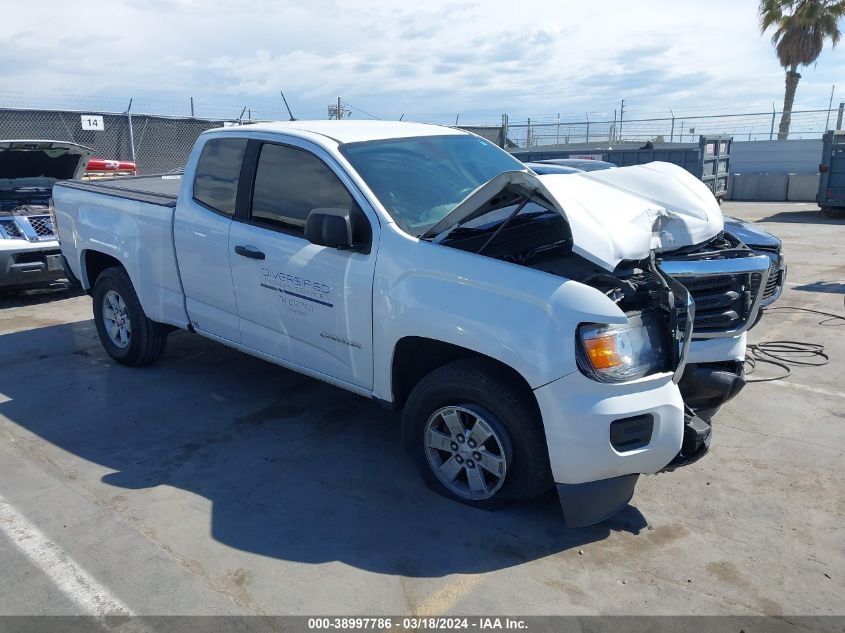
<point x="616" y="353"/>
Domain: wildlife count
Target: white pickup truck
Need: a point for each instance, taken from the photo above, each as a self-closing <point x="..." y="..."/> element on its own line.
<point x="536" y="331"/>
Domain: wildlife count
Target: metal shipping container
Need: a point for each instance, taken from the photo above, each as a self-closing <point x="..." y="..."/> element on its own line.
<point x="831" y="195"/>
<point x="708" y="160"/>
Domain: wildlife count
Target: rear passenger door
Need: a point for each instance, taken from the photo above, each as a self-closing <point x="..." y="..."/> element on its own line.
<point x="303" y="304"/>
<point x="201" y="235"/>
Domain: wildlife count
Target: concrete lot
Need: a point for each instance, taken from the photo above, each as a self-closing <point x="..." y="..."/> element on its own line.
<point x="216" y="483"/>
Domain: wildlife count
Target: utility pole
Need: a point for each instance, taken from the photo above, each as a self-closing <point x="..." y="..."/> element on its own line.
<point x="621" y="116"/>
<point x="829" y="105"/>
<point x="839" y="116"/>
<point x="337" y="111"/>
<point x="192" y="107"/>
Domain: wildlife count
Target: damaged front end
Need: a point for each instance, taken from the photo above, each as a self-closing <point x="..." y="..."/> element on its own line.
<point x="728" y="281"/>
<point x="657" y="249"/>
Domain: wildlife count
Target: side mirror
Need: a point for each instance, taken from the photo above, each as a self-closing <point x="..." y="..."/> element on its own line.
<point x="337" y="228"/>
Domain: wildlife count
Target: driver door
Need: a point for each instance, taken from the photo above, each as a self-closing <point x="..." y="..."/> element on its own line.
<point x="302" y="304"/>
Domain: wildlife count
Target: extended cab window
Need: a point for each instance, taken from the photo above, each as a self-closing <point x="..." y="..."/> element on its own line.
<point x="289" y="183"/>
<point x="218" y="169"/>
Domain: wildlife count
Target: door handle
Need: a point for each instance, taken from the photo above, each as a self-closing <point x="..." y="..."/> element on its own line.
<point x="249" y="251"/>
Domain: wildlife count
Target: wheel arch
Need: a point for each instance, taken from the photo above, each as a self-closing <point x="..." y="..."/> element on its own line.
<point x="414" y="357"/>
<point x="93" y="264"/>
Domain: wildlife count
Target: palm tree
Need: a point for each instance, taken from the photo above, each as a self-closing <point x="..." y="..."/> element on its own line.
<point x="801" y="28"/>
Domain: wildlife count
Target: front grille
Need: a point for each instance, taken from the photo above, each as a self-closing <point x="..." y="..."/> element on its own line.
<point x="722" y="302"/>
<point x="771" y="285"/>
<point x="727" y="291"/>
<point x="42" y="225"/>
<point x="11" y="228"/>
<point x="774" y="284"/>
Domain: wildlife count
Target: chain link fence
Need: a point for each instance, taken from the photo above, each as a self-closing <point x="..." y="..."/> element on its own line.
<point x="750" y="126"/>
<point x="157" y="144"/>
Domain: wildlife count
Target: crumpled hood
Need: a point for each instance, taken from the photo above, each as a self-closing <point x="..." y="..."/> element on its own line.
<point x="623" y="214"/>
<point x="33" y="163"/>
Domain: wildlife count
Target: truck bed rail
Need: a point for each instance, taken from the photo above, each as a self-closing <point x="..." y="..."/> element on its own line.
<point x="160" y="190"/>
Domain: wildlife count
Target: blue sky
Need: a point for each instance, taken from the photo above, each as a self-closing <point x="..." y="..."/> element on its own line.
<point x="430" y="61"/>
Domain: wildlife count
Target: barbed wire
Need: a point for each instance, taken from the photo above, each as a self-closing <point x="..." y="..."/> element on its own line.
<point x="668" y="124"/>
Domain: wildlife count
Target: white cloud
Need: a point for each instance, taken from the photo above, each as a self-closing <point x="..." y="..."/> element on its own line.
<point x="430" y="60"/>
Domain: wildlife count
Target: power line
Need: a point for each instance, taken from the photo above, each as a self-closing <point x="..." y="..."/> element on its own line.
<point x="372" y="116"/>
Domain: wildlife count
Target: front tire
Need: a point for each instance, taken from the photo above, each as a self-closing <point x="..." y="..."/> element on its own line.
<point x="476" y="436"/>
<point x="126" y="333"/>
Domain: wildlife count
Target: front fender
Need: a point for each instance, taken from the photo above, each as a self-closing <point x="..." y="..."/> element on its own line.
<point x="522" y="317"/>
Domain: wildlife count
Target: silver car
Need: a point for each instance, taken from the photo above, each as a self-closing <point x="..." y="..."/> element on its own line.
<point x="29" y="249"/>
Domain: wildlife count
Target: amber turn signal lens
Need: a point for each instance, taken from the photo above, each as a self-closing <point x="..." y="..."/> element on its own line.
<point x="602" y="352"/>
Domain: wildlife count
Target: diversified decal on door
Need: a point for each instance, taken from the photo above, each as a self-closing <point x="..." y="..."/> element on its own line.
<point x="301" y="293"/>
<point x="340" y="339"/>
<point x="293" y="294"/>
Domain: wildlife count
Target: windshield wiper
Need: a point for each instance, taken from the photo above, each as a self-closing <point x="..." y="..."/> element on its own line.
<point x="525" y="200"/>
<point x="499" y="192"/>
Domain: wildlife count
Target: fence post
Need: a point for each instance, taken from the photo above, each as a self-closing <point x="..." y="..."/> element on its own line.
<point x="772" y="129"/>
<point x="131" y="131"/>
<point x="504" y="131"/>
<point x="588" y="128"/>
<point x="621" y="115"/>
<point x="839" y="116"/>
<point x="557" y="132"/>
<point x="829" y="104"/>
<point x="528" y="135"/>
<point x="672" y="131"/>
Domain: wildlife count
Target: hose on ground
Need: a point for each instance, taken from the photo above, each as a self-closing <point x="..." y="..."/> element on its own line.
<point x="788" y="354"/>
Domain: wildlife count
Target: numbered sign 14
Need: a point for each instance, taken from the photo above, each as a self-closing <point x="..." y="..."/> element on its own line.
<point x="92" y="122"/>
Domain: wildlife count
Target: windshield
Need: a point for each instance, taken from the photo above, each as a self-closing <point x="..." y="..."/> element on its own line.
<point x="421" y="179"/>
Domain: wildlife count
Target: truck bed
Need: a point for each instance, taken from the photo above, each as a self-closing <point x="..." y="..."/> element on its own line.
<point x="131" y="221"/>
<point x="160" y="189"/>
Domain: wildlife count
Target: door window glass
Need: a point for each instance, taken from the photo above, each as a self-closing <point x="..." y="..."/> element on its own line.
<point x="289" y="183"/>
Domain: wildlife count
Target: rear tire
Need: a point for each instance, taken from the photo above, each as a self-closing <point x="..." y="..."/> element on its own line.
<point x="476" y="436"/>
<point x="126" y="333"/>
<point x="828" y="212"/>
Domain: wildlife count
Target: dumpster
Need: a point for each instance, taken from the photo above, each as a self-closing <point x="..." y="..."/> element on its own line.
<point x="709" y="159"/>
<point x="831" y="195"/>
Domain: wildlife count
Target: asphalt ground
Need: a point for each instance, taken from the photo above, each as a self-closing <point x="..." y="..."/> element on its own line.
<point x="216" y="483"/>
